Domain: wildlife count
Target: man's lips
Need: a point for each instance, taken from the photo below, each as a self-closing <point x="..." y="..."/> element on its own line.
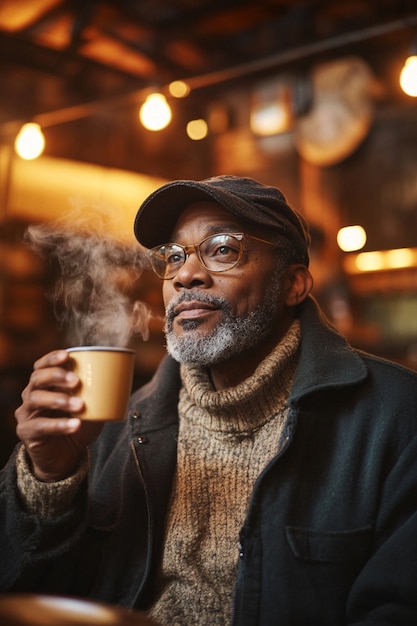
<point x="192" y="309"/>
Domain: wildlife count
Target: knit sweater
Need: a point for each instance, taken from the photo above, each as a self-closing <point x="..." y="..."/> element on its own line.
<point x="226" y="438"/>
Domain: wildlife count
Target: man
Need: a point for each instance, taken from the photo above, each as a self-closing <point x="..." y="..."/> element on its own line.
<point x="266" y="475"/>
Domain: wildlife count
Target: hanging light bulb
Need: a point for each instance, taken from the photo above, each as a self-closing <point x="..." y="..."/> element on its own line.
<point x="155" y="113"/>
<point x="350" y="238"/>
<point x="30" y="141"/>
<point x="408" y="76"/>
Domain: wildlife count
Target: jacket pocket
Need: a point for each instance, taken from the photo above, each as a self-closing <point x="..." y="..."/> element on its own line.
<point x="329" y="546"/>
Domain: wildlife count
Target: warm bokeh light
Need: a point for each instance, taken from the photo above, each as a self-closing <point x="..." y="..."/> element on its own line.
<point x="270" y="119"/>
<point x="155" y="113"/>
<point x="351" y="238"/>
<point x="379" y="260"/>
<point x="30" y="141"/>
<point x="179" y="89"/>
<point x="197" y="129"/>
<point x="370" y="261"/>
<point x="402" y="257"/>
<point x="408" y="76"/>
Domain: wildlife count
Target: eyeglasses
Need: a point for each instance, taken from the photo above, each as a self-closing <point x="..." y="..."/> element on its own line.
<point x="216" y="253"/>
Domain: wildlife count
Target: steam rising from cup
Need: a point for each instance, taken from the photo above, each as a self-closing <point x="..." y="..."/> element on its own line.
<point x="94" y="296"/>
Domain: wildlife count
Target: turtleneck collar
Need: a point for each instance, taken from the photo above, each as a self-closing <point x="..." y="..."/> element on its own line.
<point x="247" y="406"/>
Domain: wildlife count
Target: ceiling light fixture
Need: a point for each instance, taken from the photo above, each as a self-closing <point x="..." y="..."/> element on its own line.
<point x="251" y="68"/>
<point x="271" y="107"/>
<point x="351" y="238"/>
<point x="408" y="75"/>
<point x="30" y="141"/>
<point x="155" y="113"/>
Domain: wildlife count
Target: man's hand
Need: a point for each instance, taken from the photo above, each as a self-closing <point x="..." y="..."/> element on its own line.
<point x="54" y="437"/>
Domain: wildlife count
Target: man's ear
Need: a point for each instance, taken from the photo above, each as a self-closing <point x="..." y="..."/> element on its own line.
<point x="298" y="282"/>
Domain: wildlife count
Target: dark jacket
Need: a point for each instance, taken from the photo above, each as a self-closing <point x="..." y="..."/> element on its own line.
<point x="330" y="536"/>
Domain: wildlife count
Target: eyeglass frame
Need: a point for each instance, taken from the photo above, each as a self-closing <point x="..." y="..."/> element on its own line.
<point x="195" y="247"/>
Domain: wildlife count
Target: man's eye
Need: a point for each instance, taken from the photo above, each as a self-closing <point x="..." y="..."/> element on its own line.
<point x="173" y="258"/>
<point x="224" y="251"/>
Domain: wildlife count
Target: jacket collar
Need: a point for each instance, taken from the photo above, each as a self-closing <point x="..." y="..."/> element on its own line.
<point x="326" y="358"/>
<point x="157" y="397"/>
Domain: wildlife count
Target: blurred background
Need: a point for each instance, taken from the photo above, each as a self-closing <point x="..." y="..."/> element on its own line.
<point x="101" y="102"/>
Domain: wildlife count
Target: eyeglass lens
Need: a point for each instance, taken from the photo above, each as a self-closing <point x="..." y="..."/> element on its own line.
<point x="217" y="253"/>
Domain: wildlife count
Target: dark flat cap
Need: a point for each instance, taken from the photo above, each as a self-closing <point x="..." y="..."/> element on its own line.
<point x="245" y="198"/>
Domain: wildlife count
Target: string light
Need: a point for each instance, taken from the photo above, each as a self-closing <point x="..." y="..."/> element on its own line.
<point x="408" y="76"/>
<point x="30" y="141"/>
<point x="155" y="113"/>
<point x="351" y="238"/>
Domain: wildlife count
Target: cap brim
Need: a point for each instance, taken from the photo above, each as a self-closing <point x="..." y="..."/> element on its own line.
<point x="159" y="213"/>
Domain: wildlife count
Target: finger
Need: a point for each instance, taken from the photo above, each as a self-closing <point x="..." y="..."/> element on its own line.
<point x="41" y="403"/>
<point x="55" y="401"/>
<point x="47" y="427"/>
<point x="53" y="378"/>
<point x="57" y="357"/>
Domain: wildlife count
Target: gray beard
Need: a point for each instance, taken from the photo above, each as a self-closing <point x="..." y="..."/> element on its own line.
<point x="232" y="336"/>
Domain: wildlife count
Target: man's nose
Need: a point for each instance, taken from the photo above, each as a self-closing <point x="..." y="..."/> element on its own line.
<point x="191" y="272"/>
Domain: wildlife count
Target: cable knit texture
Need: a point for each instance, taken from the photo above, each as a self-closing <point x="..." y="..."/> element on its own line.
<point x="47" y="500"/>
<point x="226" y="438"/>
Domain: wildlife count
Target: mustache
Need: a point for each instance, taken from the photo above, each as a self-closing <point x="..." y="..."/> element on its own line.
<point x="200" y="296"/>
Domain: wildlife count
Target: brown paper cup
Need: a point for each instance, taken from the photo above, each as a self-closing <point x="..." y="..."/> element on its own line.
<point x="106" y="376"/>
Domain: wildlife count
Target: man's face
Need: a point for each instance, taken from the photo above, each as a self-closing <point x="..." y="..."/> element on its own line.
<point x="211" y="318"/>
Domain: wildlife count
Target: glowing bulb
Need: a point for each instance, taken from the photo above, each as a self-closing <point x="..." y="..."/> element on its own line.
<point x="155" y="112"/>
<point x="351" y="238"/>
<point x="197" y="129"/>
<point x="30" y="141"/>
<point x="179" y="89"/>
<point x="401" y="257"/>
<point x="271" y="119"/>
<point x="370" y="261"/>
<point x="408" y="76"/>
